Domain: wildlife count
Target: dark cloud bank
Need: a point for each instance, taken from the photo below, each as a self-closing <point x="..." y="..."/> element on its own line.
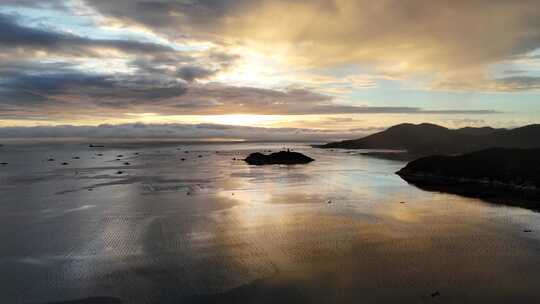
<point x="179" y="132"/>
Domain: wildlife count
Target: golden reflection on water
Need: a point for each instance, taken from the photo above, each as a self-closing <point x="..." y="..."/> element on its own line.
<point x="264" y="231"/>
<point x="366" y="239"/>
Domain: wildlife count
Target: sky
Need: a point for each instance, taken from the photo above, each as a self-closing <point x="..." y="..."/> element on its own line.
<point x="247" y="68"/>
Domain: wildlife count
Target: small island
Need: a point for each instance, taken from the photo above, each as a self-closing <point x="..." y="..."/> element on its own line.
<point x="278" y="158"/>
<point x="511" y="172"/>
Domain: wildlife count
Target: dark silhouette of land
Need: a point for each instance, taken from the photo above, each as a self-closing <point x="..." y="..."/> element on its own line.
<point x="278" y="158"/>
<point x="93" y="300"/>
<point x="489" y="172"/>
<point x="430" y="139"/>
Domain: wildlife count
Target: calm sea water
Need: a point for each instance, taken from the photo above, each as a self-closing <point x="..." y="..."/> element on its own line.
<point x="212" y="229"/>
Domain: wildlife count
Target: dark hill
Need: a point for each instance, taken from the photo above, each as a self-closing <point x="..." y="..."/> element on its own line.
<point x="516" y="170"/>
<point x="427" y="139"/>
<point x="278" y="158"/>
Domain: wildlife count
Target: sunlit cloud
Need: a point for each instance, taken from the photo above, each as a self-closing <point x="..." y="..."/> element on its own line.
<point x="268" y="63"/>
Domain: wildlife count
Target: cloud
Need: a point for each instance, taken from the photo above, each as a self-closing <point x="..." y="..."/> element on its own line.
<point x="17" y="37"/>
<point x="27" y="45"/>
<point x="72" y="89"/>
<point x="447" y="32"/>
<point x="57" y="4"/>
<point x="57" y="75"/>
<point x="66" y="92"/>
<point x="464" y="122"/>
<point x="178" y="132"/>
<point x="191" y="73"/>
<point x="443" y="40"/>
<point x="162" y="81"/>
<point x="502" y="84"/>
<point x="517" y="83"/>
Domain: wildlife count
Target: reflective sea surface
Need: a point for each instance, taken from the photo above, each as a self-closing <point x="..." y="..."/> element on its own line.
<point x="133" y="223"/>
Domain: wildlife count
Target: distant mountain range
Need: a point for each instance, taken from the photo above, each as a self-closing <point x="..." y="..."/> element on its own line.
<point x="428" y="139"/>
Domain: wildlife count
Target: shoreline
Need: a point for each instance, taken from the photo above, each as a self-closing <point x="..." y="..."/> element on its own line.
<point x="470" y="186"/>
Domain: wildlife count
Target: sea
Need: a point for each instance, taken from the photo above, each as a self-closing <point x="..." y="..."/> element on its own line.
<point x="180" y="222"/>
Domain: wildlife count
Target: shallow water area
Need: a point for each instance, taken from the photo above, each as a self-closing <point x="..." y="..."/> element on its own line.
<point x="134" y="223"/>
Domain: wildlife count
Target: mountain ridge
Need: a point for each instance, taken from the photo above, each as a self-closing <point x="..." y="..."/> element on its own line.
<point x="427" y="139"/>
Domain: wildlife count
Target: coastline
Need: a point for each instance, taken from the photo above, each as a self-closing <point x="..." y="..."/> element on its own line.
<point x="473" y="187"/>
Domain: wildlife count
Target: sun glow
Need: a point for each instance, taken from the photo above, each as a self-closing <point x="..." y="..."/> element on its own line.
<point x="244" y="119"/>
<point x="252" y="120"/>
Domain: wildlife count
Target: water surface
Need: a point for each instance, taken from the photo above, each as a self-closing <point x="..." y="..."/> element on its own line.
<point x="211" y="229"/>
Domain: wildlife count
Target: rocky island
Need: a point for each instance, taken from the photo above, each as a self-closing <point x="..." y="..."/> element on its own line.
<point x="492" y="171"/>
<point x="278" y="158"/>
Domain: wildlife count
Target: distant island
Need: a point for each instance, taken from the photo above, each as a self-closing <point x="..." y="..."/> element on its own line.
<point x="278" y="158"/>
<point x="430" y="139"/>
<point x="485" y="172"/>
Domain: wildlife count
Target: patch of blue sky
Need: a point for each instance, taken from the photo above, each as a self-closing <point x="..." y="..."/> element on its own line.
<point x="527" y="65"/>
<point x="50" y="19"/>
<point x="342" y="70"/>
<point x="453" y="100"/>
<point x="508" y="69"/>
<point x="86" y="25"/>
